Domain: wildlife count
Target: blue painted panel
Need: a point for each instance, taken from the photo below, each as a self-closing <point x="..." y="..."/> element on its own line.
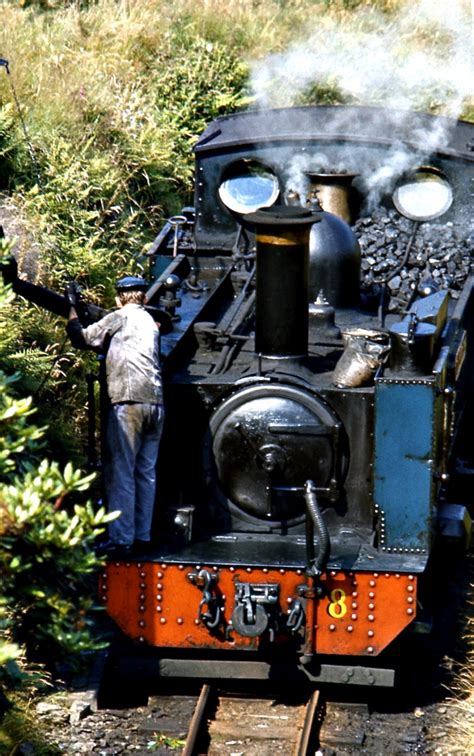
<point x="404" y="419"/>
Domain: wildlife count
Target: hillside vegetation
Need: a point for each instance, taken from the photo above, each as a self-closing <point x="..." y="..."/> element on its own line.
<point x="115" y="93"/>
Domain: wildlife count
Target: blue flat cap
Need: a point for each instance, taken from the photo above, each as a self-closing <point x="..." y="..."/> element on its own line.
<point x="131" y="283"/>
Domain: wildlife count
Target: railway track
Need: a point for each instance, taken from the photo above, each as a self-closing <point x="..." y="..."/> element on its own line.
<point x="245" y="721"/>
<point x="221" y="724"/>
<point x="241" y="718"/>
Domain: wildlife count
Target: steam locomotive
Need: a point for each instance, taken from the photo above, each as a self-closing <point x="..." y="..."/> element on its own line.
<point x="315" y="446"/>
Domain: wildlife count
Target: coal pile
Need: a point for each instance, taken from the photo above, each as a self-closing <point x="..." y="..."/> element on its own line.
<point x="441" y="255"/>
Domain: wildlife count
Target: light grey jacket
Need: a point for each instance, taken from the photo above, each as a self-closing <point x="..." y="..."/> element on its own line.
<point x="130" y="339"/>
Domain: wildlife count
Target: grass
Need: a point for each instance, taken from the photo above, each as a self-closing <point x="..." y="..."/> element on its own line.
<point x="460" y="736"/>
<point x="20" y="729"/>
<point x="160" y="740"/>
<point x="19" y="724"/>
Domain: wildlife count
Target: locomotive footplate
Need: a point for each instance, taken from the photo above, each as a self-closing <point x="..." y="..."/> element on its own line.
<point x="349" y="551"/>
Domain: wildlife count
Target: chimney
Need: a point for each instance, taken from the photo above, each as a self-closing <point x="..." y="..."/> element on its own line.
<point x="282" y="236"/>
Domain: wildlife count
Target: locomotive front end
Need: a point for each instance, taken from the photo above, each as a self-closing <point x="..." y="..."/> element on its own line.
<point x="316" y="411"/>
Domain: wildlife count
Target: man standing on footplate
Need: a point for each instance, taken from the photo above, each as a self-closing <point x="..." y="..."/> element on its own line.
<point x="129" y="338"/>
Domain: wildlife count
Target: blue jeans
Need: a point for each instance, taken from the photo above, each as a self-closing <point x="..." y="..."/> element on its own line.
<point x="133" y="439"/>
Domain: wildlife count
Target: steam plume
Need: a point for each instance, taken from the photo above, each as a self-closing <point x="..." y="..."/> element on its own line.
<point x="419" y="59"/>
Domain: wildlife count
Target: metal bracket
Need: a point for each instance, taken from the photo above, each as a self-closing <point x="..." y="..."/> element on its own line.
<point x="253" y="604"/>
<point x="214" y="614"/>
<point x="310" y="592"/>
<point x="296" y="617"/>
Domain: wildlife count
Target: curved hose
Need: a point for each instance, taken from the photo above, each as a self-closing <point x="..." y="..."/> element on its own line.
<point x="316" y="565"/>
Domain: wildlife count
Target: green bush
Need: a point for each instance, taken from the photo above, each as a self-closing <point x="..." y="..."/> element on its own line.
<point x="46" y="560"/>
<point x="36" y="351"/>
<point x="46" y="539"/>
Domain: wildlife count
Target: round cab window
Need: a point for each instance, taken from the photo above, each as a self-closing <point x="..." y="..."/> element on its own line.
<point x="424" y="195"/>
<point x="248" y="186"/>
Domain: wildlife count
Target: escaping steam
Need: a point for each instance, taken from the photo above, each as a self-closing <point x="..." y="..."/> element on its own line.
<point x="418" y="59"/>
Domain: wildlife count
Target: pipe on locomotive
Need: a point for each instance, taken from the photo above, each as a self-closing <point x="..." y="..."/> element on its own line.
<point x="282" y="269"/>
<point x="315" y="523"/>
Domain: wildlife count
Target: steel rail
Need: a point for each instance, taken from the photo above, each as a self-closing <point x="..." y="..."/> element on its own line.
<point x="197" y="720"/>
<point x="305" y="745"/>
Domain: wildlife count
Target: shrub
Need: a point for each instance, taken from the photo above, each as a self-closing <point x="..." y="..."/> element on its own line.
<point x="46" y="539"/>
